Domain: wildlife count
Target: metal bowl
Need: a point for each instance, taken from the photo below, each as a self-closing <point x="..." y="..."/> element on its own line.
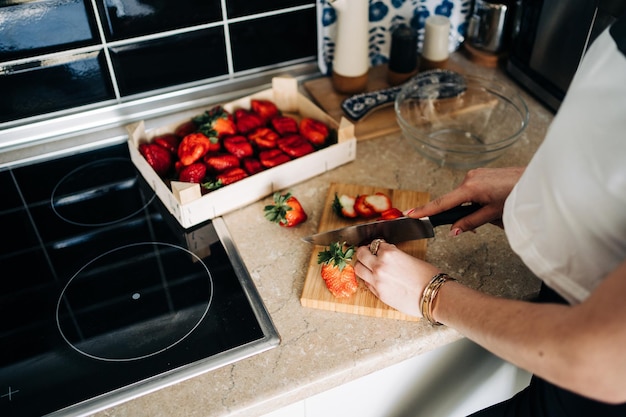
<point x="460" y="121"/>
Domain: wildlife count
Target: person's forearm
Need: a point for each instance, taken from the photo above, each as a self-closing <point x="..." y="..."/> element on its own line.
<point x="542" y="338"/>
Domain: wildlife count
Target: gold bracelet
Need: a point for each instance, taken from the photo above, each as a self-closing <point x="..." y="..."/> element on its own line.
<point x="429" y="294"/>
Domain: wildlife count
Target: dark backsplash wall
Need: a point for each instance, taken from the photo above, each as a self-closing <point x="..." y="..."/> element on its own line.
<point x="60" y="55"/>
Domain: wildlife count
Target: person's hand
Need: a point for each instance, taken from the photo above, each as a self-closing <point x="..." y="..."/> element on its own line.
<point x="395" y="277"/>
<point x="488" y="187"/>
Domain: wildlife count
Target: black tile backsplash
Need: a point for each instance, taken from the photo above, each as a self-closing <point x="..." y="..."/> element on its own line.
<point x="150" y="65"/>
<point x="128" y="18"/>
<point x="273" y="39"/>
<point x="65" y="82"/>
<point x="239" y="8"/>
<point x="60" y="55"/>
<point x="35" y="27"/>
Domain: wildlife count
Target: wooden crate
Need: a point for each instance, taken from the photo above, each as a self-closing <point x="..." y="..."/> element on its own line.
<point x="185" y="201"/>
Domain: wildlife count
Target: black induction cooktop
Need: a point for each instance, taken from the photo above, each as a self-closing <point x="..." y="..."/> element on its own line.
<point x="103" y="296"/>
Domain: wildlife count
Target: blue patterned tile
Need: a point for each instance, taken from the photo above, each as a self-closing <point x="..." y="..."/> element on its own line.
<point x="384" y="16"/>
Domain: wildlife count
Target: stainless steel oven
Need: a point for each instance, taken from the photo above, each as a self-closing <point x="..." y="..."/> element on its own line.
<point x="550" y="38"/>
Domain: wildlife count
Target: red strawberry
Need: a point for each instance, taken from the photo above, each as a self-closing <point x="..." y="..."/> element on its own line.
<point x="337" y="270"/>
<point x="284" y="125"/>
<point x="363" y="209"/>
<point x="264" y="108"/>
<point x="169" y="141"/>
<point x="263" y="137"/>
<point x="238" y="146"/>
<point x="193" y="173"/>
<point x="231" y="176"/>
<point x="186" y="128"/>
<point x="392" y="213"/>
<point x="314" y="131"/>
<point x="343" y="205"/>
<point x="286" y="210"/>
<point x="294" y="145"/>
<point x="225" y="178"/>
<point x="247" y="121"/>
<point x="252" y="165"/>
<point x="221" y="162"/>
<point x="215" y="123"/>
<point x="273" y="157"/>
<point x="193" y="147"/>
<point x="159" y="158"/>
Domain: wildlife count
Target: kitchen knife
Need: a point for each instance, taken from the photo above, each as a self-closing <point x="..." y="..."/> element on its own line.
<point x="394" y="230"/>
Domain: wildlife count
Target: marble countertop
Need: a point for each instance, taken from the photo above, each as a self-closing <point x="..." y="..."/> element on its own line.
<point x="320" y="349"/>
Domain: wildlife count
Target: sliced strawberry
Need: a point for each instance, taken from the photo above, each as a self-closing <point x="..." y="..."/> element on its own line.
<point x="363" y="209"/>
<point x="231" y="176"/>
<point x="392" y="213"/>
<point x="159" y="158"/>
<point x="215" y="123"/>
<point x="314" y="131"/>
<point x="337" y="271"/>
<point x="186" y="128"/>
<point x="284" y="125"/>
<point x="224" y="126"/>
<point x="379" y="202"/>
<point x="193" y="173"/>
<point x="193" y="147"/>
<point x="294" y="145"/>
<point x="247" y="121"/>
<point x="264" y="108"/>
<point x="168" y="141"/>
<point x="221" y="162"/>
<point x="343" y="205"/>
<point x="263" y="137"/>
<point x="273" y="157"/>
<point x="286" y="210"/>
<point x="252" y="165"/>
<point x="239" y="146"/>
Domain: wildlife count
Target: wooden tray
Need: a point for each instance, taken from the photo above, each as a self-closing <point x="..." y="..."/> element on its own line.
<point x="316" y="295"/>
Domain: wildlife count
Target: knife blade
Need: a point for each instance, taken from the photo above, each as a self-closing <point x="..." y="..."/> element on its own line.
<point x="394" y="230"/>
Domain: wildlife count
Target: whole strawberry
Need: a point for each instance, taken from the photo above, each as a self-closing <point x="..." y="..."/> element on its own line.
<point x="314" y="131"/>
<point x="159" y="158"/>
<point x="264" y="108"/>
<point x="193" y="173"/>
<point x="169" y="141"/>
<point x="337" y="270"/>
<point x="286" y="210"/>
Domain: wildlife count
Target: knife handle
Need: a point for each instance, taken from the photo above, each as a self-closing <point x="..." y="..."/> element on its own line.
<point x="359" y="105"/>
<point x="450" y="84"/>
<point x="454" y="214"/>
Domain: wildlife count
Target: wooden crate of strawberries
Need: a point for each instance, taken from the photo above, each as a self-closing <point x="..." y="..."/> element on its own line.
<point x="234" y="154"/>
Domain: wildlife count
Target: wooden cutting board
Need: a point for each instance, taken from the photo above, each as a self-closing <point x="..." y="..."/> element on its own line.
<point x="316" y="295"/>
<point x="380" y="122"/>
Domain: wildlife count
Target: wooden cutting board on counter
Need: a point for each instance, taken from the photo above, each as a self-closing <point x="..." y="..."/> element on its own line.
<point x="316" y="295"/>
<point x="378" y="123"/>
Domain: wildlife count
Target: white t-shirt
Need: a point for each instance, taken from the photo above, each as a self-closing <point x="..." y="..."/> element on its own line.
<point x="566" y="218"/>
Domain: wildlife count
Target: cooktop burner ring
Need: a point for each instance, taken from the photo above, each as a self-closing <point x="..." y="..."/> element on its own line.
<point x="100" y="193"/>
<point x="167" y="330"/>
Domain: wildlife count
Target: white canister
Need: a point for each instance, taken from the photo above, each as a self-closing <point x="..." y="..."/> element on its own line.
<point x="351" y="61"/>
<point x="435" y="51"/>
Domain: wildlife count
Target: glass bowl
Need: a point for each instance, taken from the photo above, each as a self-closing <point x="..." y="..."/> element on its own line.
<point x="459" y="121"/>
